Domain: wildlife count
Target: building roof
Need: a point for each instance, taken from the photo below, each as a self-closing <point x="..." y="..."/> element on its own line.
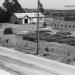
<point x="22" y="15"/>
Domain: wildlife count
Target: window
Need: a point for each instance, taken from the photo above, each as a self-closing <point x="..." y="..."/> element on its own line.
<point x="73" y="26"/>
<point x="61" y="25"/>
<point x="65" y="26"/>
<point x="55" y="25"/>
<point x="40" y="18"/>
<point x="69" y="26"/>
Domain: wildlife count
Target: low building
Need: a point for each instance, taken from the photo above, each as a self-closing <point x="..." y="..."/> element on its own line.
<point x="26" y="18"/>
<point x="61" y="24"/>
<point x="64" y="25"/>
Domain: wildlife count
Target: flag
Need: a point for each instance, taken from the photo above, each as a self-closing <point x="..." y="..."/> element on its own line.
<point x="41" y="9"/>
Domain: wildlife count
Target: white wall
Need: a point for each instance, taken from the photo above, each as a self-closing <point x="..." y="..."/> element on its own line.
<point x="32" y="20"/>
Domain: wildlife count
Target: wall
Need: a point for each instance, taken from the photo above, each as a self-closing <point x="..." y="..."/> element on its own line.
<point x="34" y="20"/>
<point x="64" y="25"/>
<point x="14" y="20"/>
<point x="61" y="24"/>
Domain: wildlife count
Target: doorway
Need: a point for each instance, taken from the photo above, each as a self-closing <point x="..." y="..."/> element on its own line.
<point x="26" y="21"/>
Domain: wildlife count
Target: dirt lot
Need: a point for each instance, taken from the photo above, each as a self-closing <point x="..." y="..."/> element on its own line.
<point x="56" y="51"/>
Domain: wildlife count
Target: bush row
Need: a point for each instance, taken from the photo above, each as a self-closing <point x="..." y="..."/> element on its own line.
<point x="50" y="38"/>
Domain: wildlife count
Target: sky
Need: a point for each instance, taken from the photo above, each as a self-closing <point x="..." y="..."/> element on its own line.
<point x="47" y="4"/>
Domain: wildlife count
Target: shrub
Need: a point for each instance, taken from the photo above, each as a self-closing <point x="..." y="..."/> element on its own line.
<point x="8" y="31"/>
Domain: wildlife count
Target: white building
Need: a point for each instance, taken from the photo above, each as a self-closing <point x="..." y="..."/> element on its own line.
<point x="26" y="18"/>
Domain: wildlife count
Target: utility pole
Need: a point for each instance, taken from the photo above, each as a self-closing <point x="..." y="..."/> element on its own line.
<point x="38" y="27"/>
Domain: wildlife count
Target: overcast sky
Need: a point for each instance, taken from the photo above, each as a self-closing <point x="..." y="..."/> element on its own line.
<point x="52" y="4"/>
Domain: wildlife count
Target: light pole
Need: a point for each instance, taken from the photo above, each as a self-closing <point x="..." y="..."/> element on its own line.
<point x="38" y="27"/>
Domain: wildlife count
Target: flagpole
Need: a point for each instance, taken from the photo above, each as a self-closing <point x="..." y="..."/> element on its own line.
<point x="38" y="27"/>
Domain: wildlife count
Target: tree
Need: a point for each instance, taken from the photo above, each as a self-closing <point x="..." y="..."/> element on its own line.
<point x="41" y="9"/>
<point x="4" y="15"/>
<point x="12" y="6"/>
<point x="8" y="31"/>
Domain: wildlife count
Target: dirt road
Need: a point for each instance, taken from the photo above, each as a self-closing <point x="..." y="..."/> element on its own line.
<point x="23" y="64"/>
